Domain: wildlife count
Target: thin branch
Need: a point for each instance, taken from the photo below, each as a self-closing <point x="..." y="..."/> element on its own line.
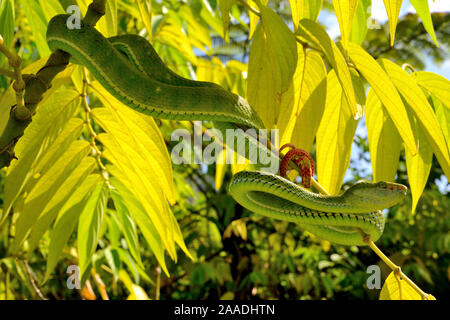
<point x="33" y="281"/>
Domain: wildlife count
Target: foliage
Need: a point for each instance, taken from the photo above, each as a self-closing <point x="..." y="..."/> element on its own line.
<point x="94" y="185"/>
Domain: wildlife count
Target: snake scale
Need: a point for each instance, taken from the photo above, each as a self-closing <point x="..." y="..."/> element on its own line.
<point x="130" y="69"/>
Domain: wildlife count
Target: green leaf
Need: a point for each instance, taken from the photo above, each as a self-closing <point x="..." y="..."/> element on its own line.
<point x="443" y="116"/>
<point x="46" y="187"/>
<point x="423" y="10"/>
<point x="51" y="8"/>
<point x="272" y="63"/>
<point x="345" y="11"/>
<point x="127" y="226"/>
<point x="142" y="219"/>
<point x="386" y="92"/>
<point x="59" y="199"/>
<point x="396" y="289"/>
<point x="253" y="17"/>
<point x="418" y="167"/>
<point x="89" y="225"/>
<point x="7" y="19"/>
<point x="392" y="10"/>
<point x="38" y="138"/>
<point x="418" y="102"/>
<point x="334" y="137"/>
<point x="360" y="21"/>
<point x="38" y="25"/>
<point x="435" y="84"/>
<point x="300" y="116"/>
<point x="384" y="141"/>
<point x="311" y="32"/>
<point x="301" y="9"/>
<point x="67" y="220"/>
<point x="145" y="11"/>
<point x="225" y="6"/>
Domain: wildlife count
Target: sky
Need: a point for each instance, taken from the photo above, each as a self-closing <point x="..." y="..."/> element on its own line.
<point x="379" y="14"/>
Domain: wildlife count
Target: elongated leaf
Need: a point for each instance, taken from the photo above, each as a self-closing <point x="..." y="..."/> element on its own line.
<point x="7" y="18"/>
<point x="359" y="26"/>
<point x="434" y="83"/>
<point x="386" y="92"/>
<point x="419" y="166"/>
<point x="392" y="10"/>
<point x="253" y="17"/>
<point x="301" y="9"/>
<point x="345" y="11"/>
<point x="37" y="139"/>
<point x="51" y="8"/>
<point x="418" y="102"/>
<point x="127" y="225"/>
<point x="273" y="59"/>
<point x="300" y="117"/>
<point x="396" y="289"/>
<point x="145" y="10"/>
<point x="225" y="6"/>
<point x="311" y="32"/>
<point x="141" y="133"/>
<point x="443" y="116"/>
<point x="423" y="11"/>
<point x="142" y="219"/>
<point x="334" y="137"/>
<point x="89" y="225"/>
<point x="46" y="187"/>
<point x="70" y="186"/>
<point x="67" y="220"/>
<point x="38" y="25"/>
<point x="384" y="141"/>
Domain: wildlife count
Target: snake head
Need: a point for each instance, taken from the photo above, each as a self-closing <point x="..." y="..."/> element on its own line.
<point x="375" y="196"/>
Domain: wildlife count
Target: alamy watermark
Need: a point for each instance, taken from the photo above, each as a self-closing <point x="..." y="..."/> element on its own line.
<point x="374" y="280"/>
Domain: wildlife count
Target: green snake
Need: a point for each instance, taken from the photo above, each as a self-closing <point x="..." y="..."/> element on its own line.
<point x="130" y="69"/>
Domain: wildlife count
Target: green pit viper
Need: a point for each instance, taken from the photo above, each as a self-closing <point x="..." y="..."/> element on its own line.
<point x="130" y="69"/>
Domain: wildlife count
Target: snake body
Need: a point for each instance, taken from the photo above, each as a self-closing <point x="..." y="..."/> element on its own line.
<point x="130" y="69"/>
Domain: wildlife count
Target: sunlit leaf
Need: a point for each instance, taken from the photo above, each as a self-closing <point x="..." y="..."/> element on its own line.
<point x="392" y="10"/>
<point x="396" y="289"/>
<point x="301" y="9"/>
<point x="301" y="112"/>
<point x="434" y="83"/>
<point x="384" y="141"/>
<point x="67" y="220"/>
<point x="7" y="18"/>
<point x="360" y="21"/>
<point x="345" y="11"/>
<point x="89" y="225"/>
<point x="225" y="6"/>
<point x="272" y="63"/>
<point x="253" y="17"/>
<point x="334" y="137"/>
<point x="311" y="32"/>
<point x="418" y="167"/>
<point x="423" y="11"/>
<point x="386" y="92"/>
<point x="145" y="10"/>
<point x="418" y="102"/>
<point x="443" y="116"/>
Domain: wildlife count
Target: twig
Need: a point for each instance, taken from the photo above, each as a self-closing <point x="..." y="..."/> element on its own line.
<point x="250" y="8"/>
<point x="33" y="281"/>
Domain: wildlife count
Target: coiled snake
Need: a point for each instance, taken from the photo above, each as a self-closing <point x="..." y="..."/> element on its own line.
<point x="129" y="68"/>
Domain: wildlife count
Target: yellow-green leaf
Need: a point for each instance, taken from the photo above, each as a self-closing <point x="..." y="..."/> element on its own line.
<point x="386" y="92"/>
<point x="345" y="11"/>
<point x="418" y="167"/>
<point x="418" y="102"/>
<point x="225" y="6"/>
<point x="302" y="110"/>
<point x="67" y="220"/>
<point x="359" y="25"/>
<point x="384" y="141"/>
<point x="434" y="83"/>
<point x="423" y="10"/>
<point x="145" y="11"/>
<point x="7" y="19"/>
<point x="301" y="9"/>
<point x="311" y="32"/>
<point x="273" y="59"/>
<point x="443" y="116"/>
<point x="253" y="17"/>
<point x="334" y="137"/>
<point x="392" y="10"/>
<point x="396" y="289"/>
